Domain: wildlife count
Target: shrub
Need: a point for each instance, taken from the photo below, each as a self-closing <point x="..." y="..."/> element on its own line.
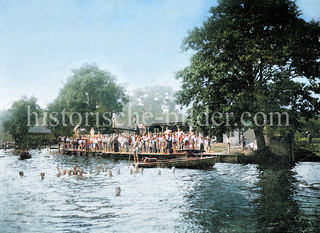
<point x="302" y="154"/>
<point x="301" y="142"/>
<point x="315" y="140"/>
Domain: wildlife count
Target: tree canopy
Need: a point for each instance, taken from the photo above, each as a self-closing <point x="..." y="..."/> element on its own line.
<point x="21" y="118"/>
<point x="90" y="92"/>
<point x="4" y="136"/>
<point x="151" y="104"/>
<point x="252" y="56"/>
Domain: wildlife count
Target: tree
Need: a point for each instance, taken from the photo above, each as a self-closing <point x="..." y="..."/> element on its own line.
<point x="150" y="104"/>
<point x="311" y="126"/>
<point x="4" y="136"/>
<point x="21" y="118"/>
<point x="88" y="99"/>
<point x="252" y="56"/>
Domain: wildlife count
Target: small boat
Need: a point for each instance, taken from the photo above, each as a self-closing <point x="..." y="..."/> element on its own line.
<point x="24" y="155"/>
<point x="189" y="152"/>
<point x="191" y="162"/>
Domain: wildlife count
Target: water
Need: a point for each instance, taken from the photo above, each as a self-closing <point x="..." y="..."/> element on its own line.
<point x="228" y="198"/>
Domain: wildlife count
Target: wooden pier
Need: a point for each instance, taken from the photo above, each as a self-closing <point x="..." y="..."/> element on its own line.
<point x="221" y="157"/>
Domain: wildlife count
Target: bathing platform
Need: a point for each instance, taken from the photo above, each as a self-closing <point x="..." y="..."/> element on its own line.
<point x="220" y="157"/>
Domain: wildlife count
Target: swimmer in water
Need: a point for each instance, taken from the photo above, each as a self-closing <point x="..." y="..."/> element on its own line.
<point x="59" y="172"/>
<point x="42" y="175"/>
<point x="70" y="172"/>
<point x="118" y="191"/>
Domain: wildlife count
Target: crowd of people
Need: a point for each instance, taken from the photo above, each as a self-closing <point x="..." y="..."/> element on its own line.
<point x="166" y="142"/>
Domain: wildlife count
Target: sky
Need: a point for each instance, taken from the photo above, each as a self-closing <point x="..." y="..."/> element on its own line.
<point x="139" y="41"/>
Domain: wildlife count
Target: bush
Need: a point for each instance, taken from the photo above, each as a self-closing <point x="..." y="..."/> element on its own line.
<point x="301" y="142"/>
<point x="302" y="154"/>
<point x="315" y="140"/>
<point x="304" y="141"/>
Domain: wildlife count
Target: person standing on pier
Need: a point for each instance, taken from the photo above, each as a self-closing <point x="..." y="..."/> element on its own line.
<point x="206" y="144"/>
<point x="134" y="149"/>
<point x="92" y="132"/>
<point x="243" y="142"/>
<point x="178" y="136"/>
<point x="228" y="144"/>
<point x="115" y="144"/>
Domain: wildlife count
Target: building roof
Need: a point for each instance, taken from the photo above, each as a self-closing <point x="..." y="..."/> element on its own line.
<point x="39" y="129"/>
<point x="124" y="128"/>
<point x="165" y="123"/>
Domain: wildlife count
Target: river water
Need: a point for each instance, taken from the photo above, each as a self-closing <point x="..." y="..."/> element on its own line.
<point x="227" y="198"/>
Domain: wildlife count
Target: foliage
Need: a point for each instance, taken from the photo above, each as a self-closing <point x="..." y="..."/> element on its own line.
<point x="4" y="136"/>
<point x="150" y="104"/>
<point x="252" y="56"/>
<point x="312" y="126"/>
<point x="18" y="123"/>
<point x="316" y="141"/>
<point x="91" y="91"/>
<point x="4" y="115"/>
<point x="305" y="148"/>
<point x="301" y="141"/>
<point x="304" y="141"/>
<point x="305" y="154"/>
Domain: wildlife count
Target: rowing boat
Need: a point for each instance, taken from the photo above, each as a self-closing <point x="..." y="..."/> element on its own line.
<point x="192" y="162"/>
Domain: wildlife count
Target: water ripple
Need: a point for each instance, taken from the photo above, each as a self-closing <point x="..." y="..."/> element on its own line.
<point x="227" y="198"/>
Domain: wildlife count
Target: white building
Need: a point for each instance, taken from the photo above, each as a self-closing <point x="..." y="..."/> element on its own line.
<point x="236" y="135"/>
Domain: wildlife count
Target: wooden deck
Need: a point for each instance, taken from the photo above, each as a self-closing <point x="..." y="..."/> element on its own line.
<point x="221" y="157"/>
<point x="193" y="163"/>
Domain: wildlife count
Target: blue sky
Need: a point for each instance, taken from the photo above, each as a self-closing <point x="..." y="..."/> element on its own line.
<point x="136" y="40"/>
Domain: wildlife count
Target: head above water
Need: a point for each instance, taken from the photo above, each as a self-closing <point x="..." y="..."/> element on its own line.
<point x="118" y="191"/>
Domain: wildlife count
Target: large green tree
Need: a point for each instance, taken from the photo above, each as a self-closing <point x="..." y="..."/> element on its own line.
<point x="151" y="104"/>
<point x="4" y="136"/>
<point x="252" y="56"/>
<point x="90" y="92"/>
<point x="24" y="113"/>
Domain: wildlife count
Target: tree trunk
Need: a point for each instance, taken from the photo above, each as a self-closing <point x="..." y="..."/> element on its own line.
<point x="283" y="146"/>
<point x="261" y="142"/>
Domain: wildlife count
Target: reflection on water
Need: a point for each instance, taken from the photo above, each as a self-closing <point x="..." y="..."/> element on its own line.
<point x="221" y="200"/>
<point x="228" y="198"/>
<point x="283" y="206"/>
<point x="277" y="210"/>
